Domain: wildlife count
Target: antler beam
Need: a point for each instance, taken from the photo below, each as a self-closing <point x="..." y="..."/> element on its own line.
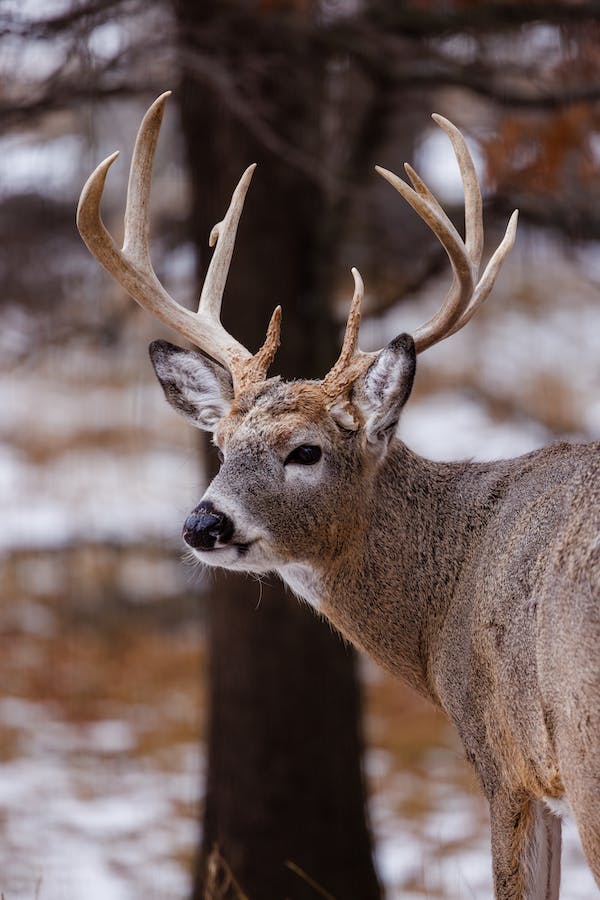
<point x="132" y="268"/>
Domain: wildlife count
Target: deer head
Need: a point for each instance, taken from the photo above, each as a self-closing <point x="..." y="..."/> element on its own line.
<point x="297" y="458"/>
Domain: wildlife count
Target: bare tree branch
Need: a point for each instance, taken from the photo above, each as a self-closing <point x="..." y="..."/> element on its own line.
<point x="27" y="27"/>
<point x="442" y="19"/>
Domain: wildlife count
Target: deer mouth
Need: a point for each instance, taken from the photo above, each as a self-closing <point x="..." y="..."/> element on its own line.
<point x="225" y="556"/>
<point x="244" y="548"/>
<point x="240" y="548"/>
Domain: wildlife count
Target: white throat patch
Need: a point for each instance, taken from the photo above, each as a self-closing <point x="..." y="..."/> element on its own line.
<point x="303" y="581"/>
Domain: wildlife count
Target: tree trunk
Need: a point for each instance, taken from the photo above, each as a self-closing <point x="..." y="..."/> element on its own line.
<point x="285" y="783"/>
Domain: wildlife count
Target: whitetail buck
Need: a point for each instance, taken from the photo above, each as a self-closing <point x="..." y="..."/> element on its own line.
<point x="478" y="583"/>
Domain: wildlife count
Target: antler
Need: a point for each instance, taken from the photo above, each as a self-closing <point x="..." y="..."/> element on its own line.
<point x="351" y="361"/>
<point x="467" y="291"/>
<point x="132" y="268"/>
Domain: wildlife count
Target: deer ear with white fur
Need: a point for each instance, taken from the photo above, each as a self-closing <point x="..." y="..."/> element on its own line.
<point x="198" y="388"/>
<point x="383" y="390"/>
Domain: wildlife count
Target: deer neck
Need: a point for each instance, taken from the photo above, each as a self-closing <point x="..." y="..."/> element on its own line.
<point x="391" y="588"/>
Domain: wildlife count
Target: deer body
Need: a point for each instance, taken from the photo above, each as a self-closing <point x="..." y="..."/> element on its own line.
<point x="458" y="588"/>
<point x="477" y="583"/>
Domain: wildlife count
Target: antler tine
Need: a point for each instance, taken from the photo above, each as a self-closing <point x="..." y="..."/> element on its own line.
<point x="132" y="268"/>
<point x="350" y="342"/>
<point x="245" y="368"/>
<point x="486" y="282"/>
<point x="257" y="367"/>
<point x="137" y="207"/>
<point x="465" y="295"/>
<point x="472" y="191"/>
<point x="351" y="360"/>
<point x="223" y="236"/>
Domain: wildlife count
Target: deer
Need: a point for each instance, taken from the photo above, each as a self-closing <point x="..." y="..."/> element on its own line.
<point x="477" y="583"/>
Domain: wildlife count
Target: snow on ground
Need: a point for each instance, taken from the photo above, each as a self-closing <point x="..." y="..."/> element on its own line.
<point x="101" y="769"/>
<point x="81" y="818"/>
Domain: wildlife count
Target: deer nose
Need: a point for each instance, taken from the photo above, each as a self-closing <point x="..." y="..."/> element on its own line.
<point x="205" y="526"/>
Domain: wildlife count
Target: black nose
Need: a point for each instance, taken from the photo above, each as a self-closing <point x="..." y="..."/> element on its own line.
<point x="205" y="525"/>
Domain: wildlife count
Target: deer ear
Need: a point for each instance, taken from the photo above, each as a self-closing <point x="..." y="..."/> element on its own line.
<point x="198" y="388"/>
<point x="385" y="387"/>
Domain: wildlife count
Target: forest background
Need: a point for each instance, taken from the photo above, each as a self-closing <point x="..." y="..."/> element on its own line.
<point x="163" y="732"/>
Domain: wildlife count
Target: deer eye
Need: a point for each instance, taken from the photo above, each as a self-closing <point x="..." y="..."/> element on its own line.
<point x="304" y="455"/>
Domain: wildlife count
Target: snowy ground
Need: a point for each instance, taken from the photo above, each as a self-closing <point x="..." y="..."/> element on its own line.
<point x="81" y="820"/>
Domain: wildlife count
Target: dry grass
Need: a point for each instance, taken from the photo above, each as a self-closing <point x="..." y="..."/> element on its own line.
<point x="220" y="880"/>
<point x="317" y="888"/>
<point x="90" y="668"/>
